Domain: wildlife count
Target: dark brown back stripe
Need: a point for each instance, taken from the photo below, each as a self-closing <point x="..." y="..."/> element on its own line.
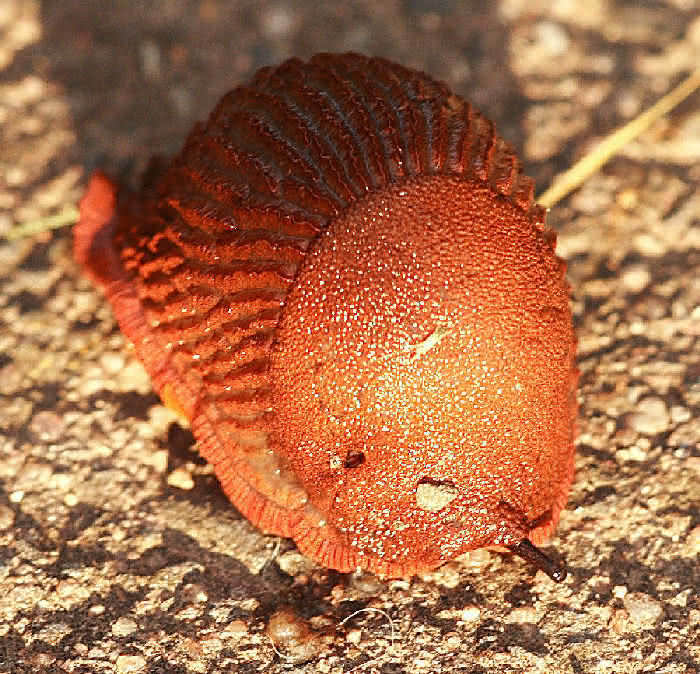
<point x="337" y="95"/>
<point x="257" y="129"/>
<point x="307" y="140"/>
<point x="381" y="130"/>
<point x="310" y="106"/>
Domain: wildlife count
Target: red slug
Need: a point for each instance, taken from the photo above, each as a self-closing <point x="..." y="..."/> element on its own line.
<point x="343" y="282"/>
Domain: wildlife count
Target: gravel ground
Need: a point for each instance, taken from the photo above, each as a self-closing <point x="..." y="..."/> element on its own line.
<point x="118" y="551"/>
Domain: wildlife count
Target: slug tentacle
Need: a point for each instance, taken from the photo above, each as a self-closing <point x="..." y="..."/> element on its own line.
<point x="555" y="570"/>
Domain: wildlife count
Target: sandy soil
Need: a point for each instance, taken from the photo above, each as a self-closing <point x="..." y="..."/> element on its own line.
<point x="118" y="551"/>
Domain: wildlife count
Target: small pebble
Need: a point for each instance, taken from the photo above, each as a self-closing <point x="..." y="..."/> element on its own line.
<point x="446" y="575"/>
<point x="619" y="591"/>
<point x="150" y="59"/>
<point x="636" y="278"/>
<point x="278" y="22"/>
<point x="644" y="611"/>
<point x="524" y="614"/>
<point x="112" y="362"/>
<point x="293" y="637"/>
<point x="194" y="592"/>
<point x="53" y="633"/>
<point x="633" y="453"/>
<point x="130" y="664"/>
<point x="134" y="378"/>
<point x="11" y="379"/>
<point x="337" y="593"/>
<point x="552" y="37"/>
<point x="692" y="541"/>
<point x="354" y="636"/>
<point x="680" y="414"/>
<point x="211" y="646"/>
<point x="620" y="621"/>
<point x="648" y="245"/>
<point x="650" y="417"/>
<point x="43" y="660"/>
<point x="470" y="614"/>
<point x="7" y="517"/>
<point x="47" y="426"/>
<point x="123" y="627"/>
<point x="366" y="583"/>
<point x="181" y="479"/>
<point x="158" y="459"/>
<point x="628" y="198"/>
<point x="235" y="630"/>
<point x="71" y="591"/>
<point x="249" y="605"/>
<point x="294" y="563"/>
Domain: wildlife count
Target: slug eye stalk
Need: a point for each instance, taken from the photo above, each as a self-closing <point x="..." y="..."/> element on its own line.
<point x="525" y="549"/>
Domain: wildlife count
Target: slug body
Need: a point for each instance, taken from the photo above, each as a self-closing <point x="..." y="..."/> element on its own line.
<point x="344" y="284"/>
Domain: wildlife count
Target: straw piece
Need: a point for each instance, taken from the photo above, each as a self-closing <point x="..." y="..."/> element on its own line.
<point x="569" y="180"/>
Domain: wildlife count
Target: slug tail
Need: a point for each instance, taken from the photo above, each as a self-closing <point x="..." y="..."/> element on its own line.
<point x="92" y="236"/>
<point x="95" y="251"/>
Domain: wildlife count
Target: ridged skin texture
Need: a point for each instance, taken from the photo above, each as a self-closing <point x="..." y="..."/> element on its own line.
<point x="343" y="283"/>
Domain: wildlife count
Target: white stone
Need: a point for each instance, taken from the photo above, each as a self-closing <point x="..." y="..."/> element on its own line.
<point x="644" y="611"/>
<point x="651" y="416"/>
<point x="130" y="664"/>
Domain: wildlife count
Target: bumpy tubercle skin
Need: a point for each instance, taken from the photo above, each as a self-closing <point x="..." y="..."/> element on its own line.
<point x="453" y="365"/>
<point x="390" y="382"/>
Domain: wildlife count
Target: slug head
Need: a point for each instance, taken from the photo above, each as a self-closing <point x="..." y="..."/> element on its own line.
<point x="424" y="376"/>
